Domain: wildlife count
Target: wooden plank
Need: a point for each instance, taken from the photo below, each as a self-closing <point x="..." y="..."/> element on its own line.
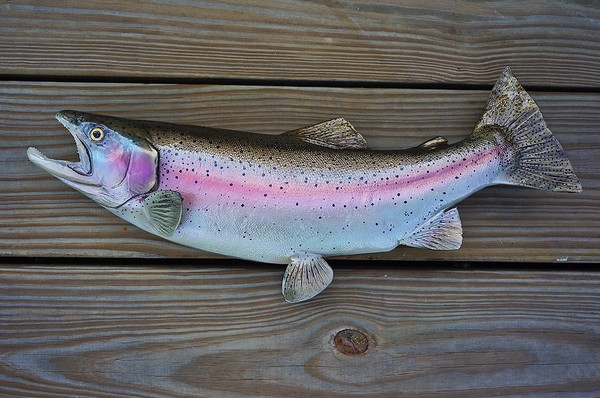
<point x="40" y="216"/>
<point x="550" y="42"/>
<point x="205" y="332"/>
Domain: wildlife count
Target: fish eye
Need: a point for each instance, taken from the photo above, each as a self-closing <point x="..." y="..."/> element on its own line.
<point x="96" y="134"/>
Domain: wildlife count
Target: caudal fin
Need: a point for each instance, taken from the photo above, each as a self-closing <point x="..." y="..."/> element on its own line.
<point x="533" y="156"/>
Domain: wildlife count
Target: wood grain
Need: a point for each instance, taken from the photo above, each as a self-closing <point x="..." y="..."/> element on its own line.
<point x="40" y="216"/>
<point x="203" y="332"/>
<point x="547" y="42"/>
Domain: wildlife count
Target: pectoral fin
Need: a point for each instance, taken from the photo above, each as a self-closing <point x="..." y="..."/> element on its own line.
<point x="306" y="276"/>
<point x="442" y="232"/>
<point x="163" y="209"/>
<point x="335" y="133"/>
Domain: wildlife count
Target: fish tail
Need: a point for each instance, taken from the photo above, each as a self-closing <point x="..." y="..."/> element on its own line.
<point x="532" y="156"/>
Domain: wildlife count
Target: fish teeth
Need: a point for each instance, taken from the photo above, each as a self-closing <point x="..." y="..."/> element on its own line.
<point x="34" y="152"/>
<point x="84" y="156"/>
<point x="70" y="171"/>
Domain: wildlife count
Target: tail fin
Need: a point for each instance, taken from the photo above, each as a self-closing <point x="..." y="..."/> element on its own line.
<point x="534" y="157"/>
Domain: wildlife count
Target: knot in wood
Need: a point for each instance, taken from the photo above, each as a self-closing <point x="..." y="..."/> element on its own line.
<point x="351" y="342"/>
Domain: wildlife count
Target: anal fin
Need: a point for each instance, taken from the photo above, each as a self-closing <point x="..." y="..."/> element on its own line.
<point x="163" y="210"/>
<point x="442" y="232"/>
<point x="335" y="133"/>
<point x="306" y="276"/>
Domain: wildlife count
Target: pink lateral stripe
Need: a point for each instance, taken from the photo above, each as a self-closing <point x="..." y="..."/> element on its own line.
<point x="258" y="191"/>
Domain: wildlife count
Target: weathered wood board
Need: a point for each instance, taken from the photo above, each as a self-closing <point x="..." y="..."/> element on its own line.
<point x="205" y="332"/>
<point x="201" y="327"/>
<point x="40" y="216"/>
<point x="549" y="42"/>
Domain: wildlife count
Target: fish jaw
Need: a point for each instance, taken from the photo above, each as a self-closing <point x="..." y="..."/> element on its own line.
<point x="79" y="174"/>
<point x="111" y="169"/>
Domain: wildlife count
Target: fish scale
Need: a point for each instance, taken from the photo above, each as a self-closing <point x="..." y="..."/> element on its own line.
<point x="314" y="192"/>
<point x="346" y="202"/>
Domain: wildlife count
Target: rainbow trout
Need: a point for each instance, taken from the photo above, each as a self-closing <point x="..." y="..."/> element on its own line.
<point x="310" y="193"/>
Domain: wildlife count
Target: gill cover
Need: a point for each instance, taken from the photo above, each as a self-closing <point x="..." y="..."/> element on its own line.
<point x="117" y="161"/>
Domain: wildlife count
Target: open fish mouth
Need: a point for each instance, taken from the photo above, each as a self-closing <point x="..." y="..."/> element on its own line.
<point x="76" y="172"/>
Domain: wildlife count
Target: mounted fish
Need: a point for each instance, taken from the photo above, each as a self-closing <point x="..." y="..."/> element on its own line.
<point x="309" y="193"/>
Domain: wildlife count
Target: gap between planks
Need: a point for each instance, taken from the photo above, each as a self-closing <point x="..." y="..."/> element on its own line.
<point x="265" y="82"/>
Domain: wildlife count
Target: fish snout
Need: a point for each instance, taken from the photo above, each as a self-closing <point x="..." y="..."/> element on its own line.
<point x="70" y="119"/>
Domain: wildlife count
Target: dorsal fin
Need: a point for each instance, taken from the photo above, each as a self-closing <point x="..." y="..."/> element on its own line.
<point x="335" y="133"/>
<point x="433" y="143"/>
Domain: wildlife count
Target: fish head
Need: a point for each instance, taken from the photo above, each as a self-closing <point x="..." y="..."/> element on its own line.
<point x="116" y="158"/>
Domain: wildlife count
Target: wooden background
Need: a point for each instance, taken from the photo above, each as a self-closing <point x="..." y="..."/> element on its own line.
<point x="91" y="306"/>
